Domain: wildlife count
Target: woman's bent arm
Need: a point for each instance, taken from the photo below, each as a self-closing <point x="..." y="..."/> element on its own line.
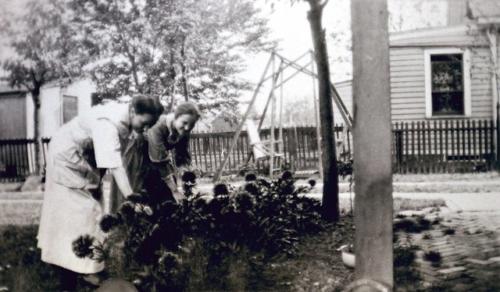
<point x="121" y="179"/>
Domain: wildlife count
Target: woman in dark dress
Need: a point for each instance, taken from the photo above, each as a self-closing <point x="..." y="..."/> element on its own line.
<point x="154" y="159"/>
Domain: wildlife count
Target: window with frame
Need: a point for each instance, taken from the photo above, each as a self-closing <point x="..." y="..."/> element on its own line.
<point x="447" y="83"/>
<point x="70" y="108"/>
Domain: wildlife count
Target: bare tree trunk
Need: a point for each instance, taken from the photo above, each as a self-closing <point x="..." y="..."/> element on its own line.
<point x="35" y="94"/>
<point x="330" y="173"/>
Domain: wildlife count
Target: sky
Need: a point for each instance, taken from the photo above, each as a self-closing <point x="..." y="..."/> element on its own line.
<point x="289" y="25"/>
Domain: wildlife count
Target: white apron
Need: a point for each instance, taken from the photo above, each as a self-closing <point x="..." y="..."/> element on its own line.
<point x="69" y="210"/>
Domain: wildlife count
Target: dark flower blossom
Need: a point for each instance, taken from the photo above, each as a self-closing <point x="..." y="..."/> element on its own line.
<point x="127" y="211"/>
<point x="252" y="188"/>
<point x="221" y="190"/>
<point x="189" y="177"/>
<point x="250" y="177"/>
<point x="200" y="203"/>
<point x="286" y="175"/>
<point x="312" y="183"/>
<point x="244" y="201"/>
<point x="109" y="221"/>
<point x="168" y="260"/>
<point x="83" y="246"/>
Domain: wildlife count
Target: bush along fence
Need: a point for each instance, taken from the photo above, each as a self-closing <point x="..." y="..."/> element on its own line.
<point x="418" y="147"/>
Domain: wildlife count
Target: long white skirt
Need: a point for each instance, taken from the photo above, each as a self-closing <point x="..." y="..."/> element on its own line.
<point x="67" y="213"/>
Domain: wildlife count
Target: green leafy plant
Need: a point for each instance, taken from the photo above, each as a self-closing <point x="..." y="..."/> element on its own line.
<point x="205" y="242"/>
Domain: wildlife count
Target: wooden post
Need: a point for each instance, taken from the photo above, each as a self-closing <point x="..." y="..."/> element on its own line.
<point x="372" y="145"/>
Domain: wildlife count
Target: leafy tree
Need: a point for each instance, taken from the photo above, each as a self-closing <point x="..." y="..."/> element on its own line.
<point x="42" y="50"/>
<point x="177" y="49"/>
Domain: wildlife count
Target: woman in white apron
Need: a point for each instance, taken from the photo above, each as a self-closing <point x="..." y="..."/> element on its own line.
<point x="78" y="152"/>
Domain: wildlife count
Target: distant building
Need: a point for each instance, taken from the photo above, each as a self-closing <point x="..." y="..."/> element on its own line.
<point x="58" y="106"/>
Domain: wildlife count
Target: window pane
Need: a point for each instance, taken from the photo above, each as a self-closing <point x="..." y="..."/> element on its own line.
<point x="70" y="108"/>
<point x="447" y="84"/>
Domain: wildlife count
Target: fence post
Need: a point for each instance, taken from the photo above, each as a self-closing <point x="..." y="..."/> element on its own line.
<point x="399" y="148"/>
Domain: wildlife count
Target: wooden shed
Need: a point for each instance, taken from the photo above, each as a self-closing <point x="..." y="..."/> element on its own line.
<point x="12" y="112"/>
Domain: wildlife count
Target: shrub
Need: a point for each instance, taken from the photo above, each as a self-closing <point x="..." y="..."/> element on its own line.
<point x="412" y="225"/>
<point x="345" y="168"/>
<point x="203" y="243"/>
<point x="448" y="231"/>
<point x="405" y="272"/>
<point x="427" y="236"/>
<point x="434" y="257"/>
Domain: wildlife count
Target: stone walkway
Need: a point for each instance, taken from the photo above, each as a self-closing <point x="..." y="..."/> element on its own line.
<point x="469" y="247"/>
<point x="467" y="238"/>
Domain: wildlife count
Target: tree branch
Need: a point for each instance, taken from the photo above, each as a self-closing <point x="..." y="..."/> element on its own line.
<point x="322" y="5"/>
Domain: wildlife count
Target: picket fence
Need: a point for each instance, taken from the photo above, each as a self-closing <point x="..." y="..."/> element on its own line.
<point x="418" y="147"/>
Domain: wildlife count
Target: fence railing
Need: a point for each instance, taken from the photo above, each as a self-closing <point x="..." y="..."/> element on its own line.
<point x="418" y="147"/>
<point x="17" y="158"/>
<point x="444" y="146"/>
<point x="300" y="149"/>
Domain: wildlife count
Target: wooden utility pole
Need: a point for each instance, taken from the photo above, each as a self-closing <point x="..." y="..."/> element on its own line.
<point x="330" y="201"/>
<point x="372" y="146"/>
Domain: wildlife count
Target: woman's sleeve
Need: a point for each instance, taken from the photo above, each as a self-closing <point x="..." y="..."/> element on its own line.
<point x="156" y="143"/>
<point x="107" y="147"/>
<point x="181" y="153"/>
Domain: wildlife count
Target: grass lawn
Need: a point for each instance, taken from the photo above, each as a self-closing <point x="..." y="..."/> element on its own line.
<point x="317" y="263"/>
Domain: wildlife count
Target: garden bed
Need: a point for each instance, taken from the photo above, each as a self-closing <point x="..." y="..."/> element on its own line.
<point x="316" y="264"/>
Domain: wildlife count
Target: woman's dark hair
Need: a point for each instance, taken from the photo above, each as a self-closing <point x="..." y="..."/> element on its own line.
<point x="146" y="104"/>
<point x="187" y="108"/>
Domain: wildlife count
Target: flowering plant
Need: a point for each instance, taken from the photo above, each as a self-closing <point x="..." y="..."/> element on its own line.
<point x="168" y="246"/>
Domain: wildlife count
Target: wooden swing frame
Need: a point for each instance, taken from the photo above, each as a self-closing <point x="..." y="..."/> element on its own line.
<point x="276" y="75"/>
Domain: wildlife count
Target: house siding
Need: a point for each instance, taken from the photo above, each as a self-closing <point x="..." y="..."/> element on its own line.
<point x="407" y="83"/>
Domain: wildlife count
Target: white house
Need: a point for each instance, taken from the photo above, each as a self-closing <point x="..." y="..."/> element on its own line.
<point x="445" y="72"/>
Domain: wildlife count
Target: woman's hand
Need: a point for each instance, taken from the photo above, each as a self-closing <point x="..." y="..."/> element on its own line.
<point x="178" y="196"/>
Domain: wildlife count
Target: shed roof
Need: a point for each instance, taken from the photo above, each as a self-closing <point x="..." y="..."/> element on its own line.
<point x="6" y="88"/>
